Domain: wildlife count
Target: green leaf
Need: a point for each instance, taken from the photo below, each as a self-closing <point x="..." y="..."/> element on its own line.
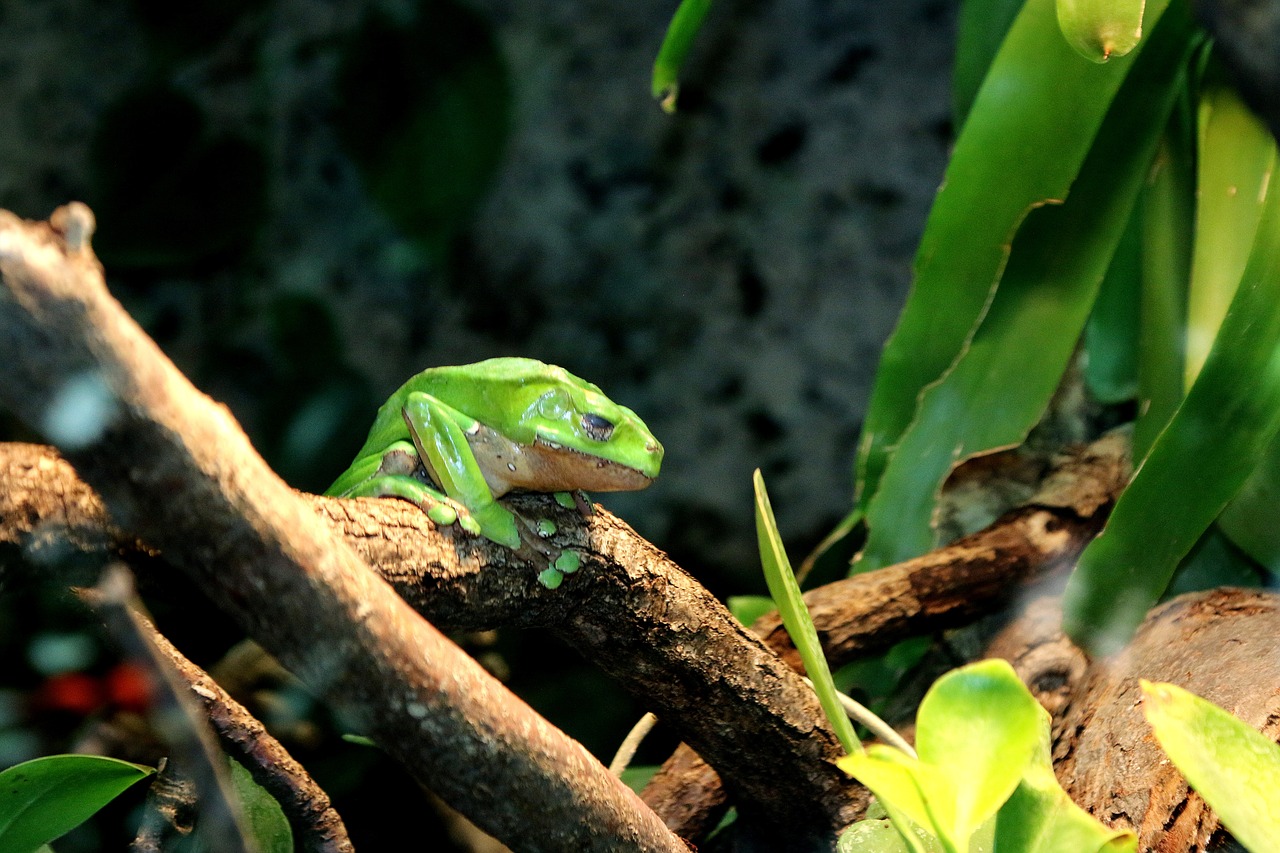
<point x="1039" y="817"/>
<point x="910" y="787"/>
<point x="1001" y="383"/>
<point x="795" y="616"/>
<point x="264" y="819"/>
<point x="1250" y="519"/>
<point x="976" y="730"/>
<point x="1235" y="768"/>
<point x="675" y="47"/>
<point x="1032" y="123"/>
<point x="979" y="725"/>
<point x="981" y="27"/>
<point x="424" y="110"/>
<point x="1111" y="347"/>
<point x="45" y="798"/>
<point x="1101" y="29"/>
<point x="748" y="608"/>
<point x="1166" y="211"/>
<point x="872" y="836"/>
<point x="1212" y="444"/>
<point x="1237" y="157"/>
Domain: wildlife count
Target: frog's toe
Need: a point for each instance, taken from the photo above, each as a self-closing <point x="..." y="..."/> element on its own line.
<point x="568" y="562"/>
<point x="550" y="577"/>
<point x="442" y="514"/>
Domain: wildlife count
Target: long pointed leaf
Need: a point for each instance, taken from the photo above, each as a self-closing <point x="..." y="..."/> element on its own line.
<point x="45" y="798"/>
<point x="684" y="27"/>
<point x="1101" y="29"/>
<point x="1236" y="160"/>
<point x="1001" y="384"/>
<point x="1196" y="466"/>
<point x="795" y="616"/>
<point x="1032" y="124"/>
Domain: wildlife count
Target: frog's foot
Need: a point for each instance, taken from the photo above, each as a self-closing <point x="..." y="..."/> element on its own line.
<point x="552" y="562"/>
<point x="439" y="508"/>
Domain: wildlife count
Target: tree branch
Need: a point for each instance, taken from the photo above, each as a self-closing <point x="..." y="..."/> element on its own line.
<point x="173" y="468"/>
<point x="951" y="586"/>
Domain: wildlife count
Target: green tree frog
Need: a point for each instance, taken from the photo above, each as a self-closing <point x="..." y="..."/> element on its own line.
<point x="454" y="439"/>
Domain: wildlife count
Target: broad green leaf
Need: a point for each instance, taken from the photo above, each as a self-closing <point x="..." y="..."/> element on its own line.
<point x="976" y="730"/>
<point x="1031" y="125"/>
<point x="1236" y="159"/>
<point x="684" y="26"/>
<point x="48" y="797"/>
<point x="795" y="616"/>
<point x="1101" y="29"/>
<point x="1250" y="519"/>
<point x="981" y="27"/>
<point x="637" y="776"/>
<point x="1039" y="817"/>
<point x="1212" y="444"/>
<point x="1213" y="562"/>
<point x="424" y="109"/>
<point x="1000" y="385"/>
<point x="905" y="785"/>
<point x="264" y="818"/>
<point x="872" y="836"/>
<point x="1234" y="767"/>
<point x="979" y="726"/>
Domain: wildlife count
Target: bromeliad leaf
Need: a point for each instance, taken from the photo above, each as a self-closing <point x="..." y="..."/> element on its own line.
<point x="675" y="47"/>
<point x="1001" y="384"/>
<point x="1030" y="127"/>
<point x="1236" y="158"/>
<point x="1124" y="571"/>
<point x="1039" y="817"/>
<point x="1101" y="29"/>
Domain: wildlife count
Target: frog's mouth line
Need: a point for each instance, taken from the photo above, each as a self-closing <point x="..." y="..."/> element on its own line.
<point x="637" y="478"/>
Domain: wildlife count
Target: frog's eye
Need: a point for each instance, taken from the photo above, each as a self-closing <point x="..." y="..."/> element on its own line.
<point x="596" y="427"/>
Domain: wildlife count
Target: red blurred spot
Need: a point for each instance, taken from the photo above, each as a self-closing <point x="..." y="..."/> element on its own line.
<point x="70" y="692"/>
<point x="128" y="687"/>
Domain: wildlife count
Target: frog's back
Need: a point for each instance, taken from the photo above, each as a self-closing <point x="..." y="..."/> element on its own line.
<point x="478" y="390"/>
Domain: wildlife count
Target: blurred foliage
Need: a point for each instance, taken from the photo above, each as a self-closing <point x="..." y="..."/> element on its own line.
<point x="425" y="113"/>
<point x="169" y="190"/>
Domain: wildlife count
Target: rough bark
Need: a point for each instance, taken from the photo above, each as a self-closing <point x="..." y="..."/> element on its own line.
<point x="1222" y="645"/>
<point x="175" y="470"/>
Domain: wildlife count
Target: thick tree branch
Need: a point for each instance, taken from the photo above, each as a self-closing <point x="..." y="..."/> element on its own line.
<point x="630" y="610"/>
<point x="1221" y="644"/>
<point x="316" y="826"/>
<point x="173" y="468"/>
<point x="597" y="609"/>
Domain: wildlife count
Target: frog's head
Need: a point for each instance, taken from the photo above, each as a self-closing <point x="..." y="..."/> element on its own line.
<point x="615" y="450"/>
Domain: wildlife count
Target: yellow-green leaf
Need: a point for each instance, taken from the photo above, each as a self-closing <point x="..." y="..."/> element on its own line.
<point x="1230" y="764"/>
<point x="1101" y="29"/>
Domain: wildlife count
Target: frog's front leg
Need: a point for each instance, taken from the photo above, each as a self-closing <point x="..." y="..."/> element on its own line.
<point x="446" y="441"/>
